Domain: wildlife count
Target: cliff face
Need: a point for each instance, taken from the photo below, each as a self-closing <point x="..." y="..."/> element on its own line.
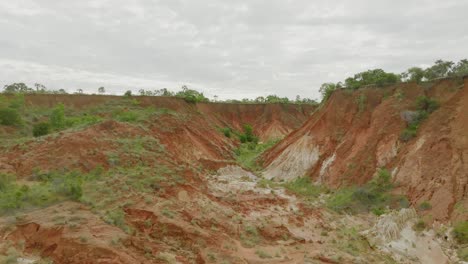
<point x="355" y="133"/>
<point x="190" y="133"/>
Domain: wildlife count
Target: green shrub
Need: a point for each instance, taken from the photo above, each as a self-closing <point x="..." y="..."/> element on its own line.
<point x="463" y="253"/>
<point x="247" y="153"/>
<point x="248" y="135"/>
<point x="425" y="106"/>
<point x="41" y="129"/>
<point x="57" y="117"/>
<point x="128" y="116"/>
<point x="409" y="133"/>
<point x="304" y="187"/>
<point x="460" y="232"/>
<point x="372" y="196"/>
<point x="226" y="131"/>
<point x="424" y="103"/>
<point x="424" y="206"/>
<point x="9" y="116"/>
<point x="5" y="181"/>
<point x="419" y="226"/>
<point x="82" y="120"/>
<point x="116" y="217"/>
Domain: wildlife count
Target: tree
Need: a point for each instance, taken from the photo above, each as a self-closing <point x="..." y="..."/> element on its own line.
<point x="40" y="88"/>
<point x="191" y="96"/>
<point x="17" y="88"/>
<point x="440" y="69"/>
<point x="372" y="77"/>
<point x="101" y="90"/>
<point x="414" y="74"/>
<point x="163" y="92"/>
<point x="79" y="91"/>
<point x="260" y="99"/>
<point x="461" y="69"/>
<point x="326" y="90"/>
<point x="128" y="93"/>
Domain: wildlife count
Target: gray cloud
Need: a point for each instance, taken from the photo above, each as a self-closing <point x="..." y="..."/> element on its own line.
<point x="232" y="49"/>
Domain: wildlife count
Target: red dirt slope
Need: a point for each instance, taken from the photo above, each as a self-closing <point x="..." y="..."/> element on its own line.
<point x="190" y="134"/>
<point x="355" y="133"/>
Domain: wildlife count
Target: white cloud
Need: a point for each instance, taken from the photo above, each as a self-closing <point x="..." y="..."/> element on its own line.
<point x="229" y="48"/>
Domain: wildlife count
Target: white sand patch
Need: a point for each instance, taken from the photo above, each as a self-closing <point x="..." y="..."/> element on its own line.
<point x="294" y="161"/>
<point x="394" y="234"/>
<point x="325" y="165"/>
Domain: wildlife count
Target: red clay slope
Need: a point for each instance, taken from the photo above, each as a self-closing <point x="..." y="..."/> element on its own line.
<point x="190" y="134"/>
<point x="355" y="133"/>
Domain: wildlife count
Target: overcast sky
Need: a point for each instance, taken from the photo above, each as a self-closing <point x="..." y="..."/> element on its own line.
<point x="233" y="49"/>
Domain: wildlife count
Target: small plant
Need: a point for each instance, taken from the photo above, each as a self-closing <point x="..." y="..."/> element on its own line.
<point x="424" y="206"/>
<point x="226" y="131"/>
<point x="425" y="107"/>
<point x="419" y="226"/>
<point x="247" y="154"/>
<point x="9" y="117"/>
<point x="361" y="102"/>
<point x="262" y="254"/>
<point x="127" y="116"/>
<point x="304" y="187"/>
<point x="373" y="196"/>
<point x="5" y="181"/>
<point x="424" y="103"/>
<point x="250" y="236"/>
<point x="57" y="118"/>
<point x="463" y="253"/>
<point x="41" y="129"/>
<point x="460" y="232"/>
<point x="248" y="135"/>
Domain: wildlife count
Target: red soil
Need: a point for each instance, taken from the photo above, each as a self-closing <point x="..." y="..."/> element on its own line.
<point x="354" y="140"/>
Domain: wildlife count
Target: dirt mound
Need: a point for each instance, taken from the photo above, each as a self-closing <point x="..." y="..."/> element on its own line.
<point x="355" y="133"/>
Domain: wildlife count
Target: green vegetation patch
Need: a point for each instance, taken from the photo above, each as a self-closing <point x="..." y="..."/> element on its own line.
<point x="425" y="106"/>
<point x="49" y="188"/>
<point x="373" y="196"/>
<point x="460" y="232"/>
<point x="304" y="187"/>
<point x="247" y="154"/>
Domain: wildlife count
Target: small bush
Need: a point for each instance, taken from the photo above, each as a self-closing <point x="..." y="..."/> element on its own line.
<point x="226" y="131"/>
<point x="82" y="120"/>
<point x="419" y="226"/>
<point x="304" y="187"/>
<point x="372" y="196"/>
<point x="41" y="129"/>
<point x="5" y="181"/>
<point x="463" y="253"/>
<point x="128" y="116"/>
<point x="427" y="104"/>
<point x="9" y="117"/>
<point x="460" y="232"/>
<point x="424" y="206"/>
<point x="57" y="118"/>
<point x="425" y="107"/>
<point x="248" y="135"/>
<point x="409" y="133"/>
